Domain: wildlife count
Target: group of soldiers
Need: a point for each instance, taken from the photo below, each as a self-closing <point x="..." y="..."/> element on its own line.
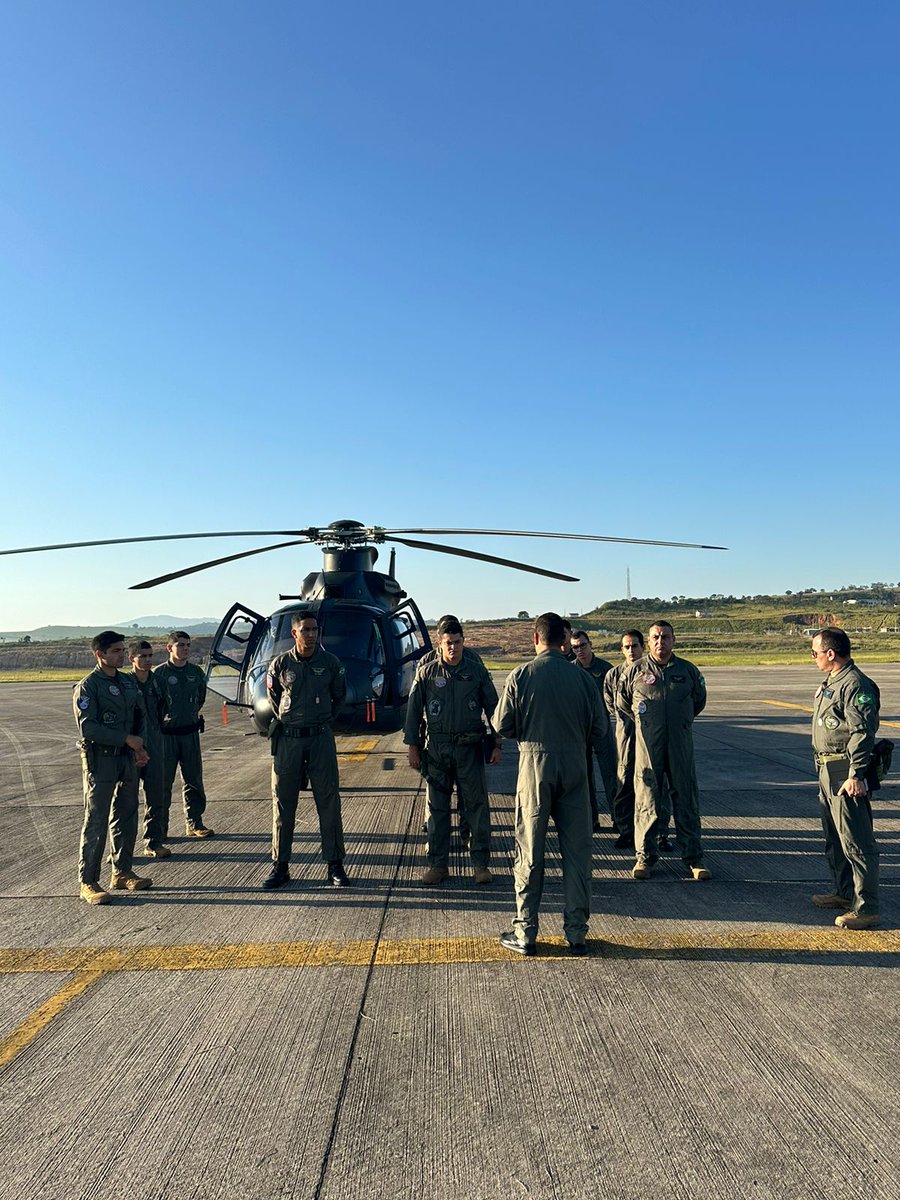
<point x="564" y="708"/>
<point x="137" y="726"/>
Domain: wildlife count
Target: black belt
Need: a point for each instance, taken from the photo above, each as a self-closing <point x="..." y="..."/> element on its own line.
<point x="178" y="730"/>
<point x="302" y="731"/>
<point x="103" y="750"/>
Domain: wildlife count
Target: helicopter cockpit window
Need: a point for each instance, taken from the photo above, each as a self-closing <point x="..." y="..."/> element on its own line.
<point x="353" y="635"/>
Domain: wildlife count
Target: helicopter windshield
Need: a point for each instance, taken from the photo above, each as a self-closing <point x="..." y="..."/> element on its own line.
<point x="352" y="635"/>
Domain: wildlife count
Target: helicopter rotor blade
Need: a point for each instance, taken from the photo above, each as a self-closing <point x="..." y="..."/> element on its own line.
<point x="491" y="558"/>
<point x="577" y="537"/>
<point x="215" y="562"/>
<point x="163" y="537"/>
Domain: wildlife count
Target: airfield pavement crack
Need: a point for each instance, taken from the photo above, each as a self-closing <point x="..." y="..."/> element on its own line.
<point x="370" y="970"/>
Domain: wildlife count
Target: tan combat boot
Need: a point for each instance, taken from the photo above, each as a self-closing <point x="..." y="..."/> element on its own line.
<point x="701" y="873"/>
<point x="129" y="882"/>
<point x="831" y="900"/>
<point x="93" y="893"/>
<point x="435" y="875"/>
<point x="483" y="875"/>
<point x="852" y="920"/>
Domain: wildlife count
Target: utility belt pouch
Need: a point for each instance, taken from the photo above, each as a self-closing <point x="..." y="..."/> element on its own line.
<point x="879" y="763"/>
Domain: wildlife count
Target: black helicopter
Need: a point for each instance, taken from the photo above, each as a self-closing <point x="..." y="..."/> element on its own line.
<point x="364" y="616"/>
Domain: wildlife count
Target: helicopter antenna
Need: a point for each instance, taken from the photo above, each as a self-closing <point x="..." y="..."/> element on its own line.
<point x="391" y="566"/>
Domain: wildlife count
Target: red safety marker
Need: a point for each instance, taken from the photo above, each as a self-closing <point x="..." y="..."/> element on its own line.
<point x="224" y="712"/>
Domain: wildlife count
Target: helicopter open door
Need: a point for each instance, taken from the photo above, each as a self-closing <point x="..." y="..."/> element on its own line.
<point x="231" y="653"/>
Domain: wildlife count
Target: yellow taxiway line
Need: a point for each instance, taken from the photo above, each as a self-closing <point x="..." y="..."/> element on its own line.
<point x="86" y="965"/>
<point x="358" y="751"/>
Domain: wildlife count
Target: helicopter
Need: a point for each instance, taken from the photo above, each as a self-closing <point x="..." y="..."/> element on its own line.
<point x="364" y="616"/>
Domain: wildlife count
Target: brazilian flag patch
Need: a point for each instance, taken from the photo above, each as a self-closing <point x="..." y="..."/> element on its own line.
<point x="865" y="700"/>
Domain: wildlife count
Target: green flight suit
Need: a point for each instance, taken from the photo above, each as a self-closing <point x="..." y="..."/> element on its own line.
<point x="662" y="702"/>
<point x="152" y="774"/>
<point x="306" y="695"/>
<point x="449" y="702"/>
<point x="181" y="693"/>
<point x="844" y="724"/>
<point x="108" y="709"/>
<point x="598" y="669"/>
<point x="553" y="712"/>
<point x="623" y="803"/>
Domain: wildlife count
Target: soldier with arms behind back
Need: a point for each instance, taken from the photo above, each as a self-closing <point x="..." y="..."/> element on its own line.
<point x="450" y="692"/>
<point x="306" y="688"/>
<point x="598" y="669"/>
<point x="181" y="691"/>
<point x="661" y="695"/>
<point x="152" y="774"/>
<point x="109" y="711"/>
<point x="845" y="721"/>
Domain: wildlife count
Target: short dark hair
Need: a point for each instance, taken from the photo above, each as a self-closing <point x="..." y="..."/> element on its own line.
<point x="633" y="633"/>
<point x="134" y="648"/>
<point x="449" y="624"/>
<point x="549" y="628"/>
<point x="104" y="640"/>
<point x="567" y="624"/>
<point x="831" y="638"/>
<point x="662" y="624"/>
<point x="175" y="635"/>
<point x="305" y="614"/>
<point x="582" y="633"/>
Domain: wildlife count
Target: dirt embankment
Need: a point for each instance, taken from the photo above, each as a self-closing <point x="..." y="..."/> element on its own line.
<point x="78" y="655"/>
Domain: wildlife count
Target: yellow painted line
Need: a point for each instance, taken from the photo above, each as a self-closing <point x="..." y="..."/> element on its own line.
<point x="427" y="951"/>
<point x="38" y="1021"/>
<point x="359" y="749"/>
<point x="803" y="708"/>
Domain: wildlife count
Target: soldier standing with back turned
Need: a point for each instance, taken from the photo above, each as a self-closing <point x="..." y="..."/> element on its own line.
<point x="553" y="712"/>
<point x="109" y="711"/>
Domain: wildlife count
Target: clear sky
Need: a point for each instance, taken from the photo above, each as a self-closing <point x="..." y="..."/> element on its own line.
<point x="623" y="268"/>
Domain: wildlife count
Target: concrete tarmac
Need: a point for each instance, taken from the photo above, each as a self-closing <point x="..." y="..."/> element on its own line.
<point x="206" y="1039"/>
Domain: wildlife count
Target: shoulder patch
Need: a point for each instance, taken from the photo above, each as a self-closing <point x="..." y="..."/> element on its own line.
<point x="865" y="699"/>
<point x="84" y="703"/>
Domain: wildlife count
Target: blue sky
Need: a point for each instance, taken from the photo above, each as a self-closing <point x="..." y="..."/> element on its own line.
<point x="623" y="269"/>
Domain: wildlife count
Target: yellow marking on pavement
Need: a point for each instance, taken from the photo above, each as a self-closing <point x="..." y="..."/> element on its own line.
<point x="86" y="966"/>
<point x="38" y="1021"/>
<point x="803" y="708"/>
<point x="358" y="750"/>
<point x="428" y="951"/>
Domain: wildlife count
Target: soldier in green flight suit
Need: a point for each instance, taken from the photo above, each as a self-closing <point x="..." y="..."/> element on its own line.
<point x="181" y="693"/>
<point x="152" y="775"/>
<point x="109" y="711"/>
<point x="306" y="688"/>
<point x="844" y="725"/>
<point x="450" y="692"/>
<point x="598" y="669"/>
<point x="632" y="646"/>
<point x="553" y="712"/>
<point x="662" y="694"/>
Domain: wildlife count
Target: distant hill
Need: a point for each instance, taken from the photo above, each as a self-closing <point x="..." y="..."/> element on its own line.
<point x="152" y="627"/>
<point x="167" y="621"/>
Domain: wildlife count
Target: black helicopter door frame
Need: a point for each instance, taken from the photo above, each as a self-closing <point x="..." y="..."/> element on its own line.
<point x="231" y="652"/>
